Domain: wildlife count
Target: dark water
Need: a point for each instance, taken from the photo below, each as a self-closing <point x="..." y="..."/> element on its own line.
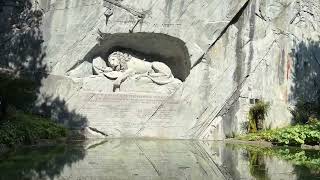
<point x="159" y="159"/>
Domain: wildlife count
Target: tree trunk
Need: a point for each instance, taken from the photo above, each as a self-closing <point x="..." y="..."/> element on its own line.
<point x="3" y="108"/>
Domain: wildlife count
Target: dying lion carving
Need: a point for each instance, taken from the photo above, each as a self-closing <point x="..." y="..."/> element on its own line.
<point x="122" y="65"/>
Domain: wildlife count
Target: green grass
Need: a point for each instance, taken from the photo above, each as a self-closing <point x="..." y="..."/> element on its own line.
<point x="294" y="135"/>
<point x="21" y="128"/>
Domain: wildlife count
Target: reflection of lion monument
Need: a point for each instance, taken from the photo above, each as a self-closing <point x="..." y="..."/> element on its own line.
<point x="122" y="65"/>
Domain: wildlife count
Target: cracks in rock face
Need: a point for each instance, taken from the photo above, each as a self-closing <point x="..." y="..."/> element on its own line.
<point x="138" y="21"/>
<point x="154" y="113"/>
<point x="236" y="93"/>
<point x="97" y="131"/>
<point x="279" y="31"/>
<point x="61" y="9"/>
<point x="306" y="14"/>
<point x="261" y="16"/>
<point x="299" y="15"/>
<point x="232" y="21"/>
<point x="139" y="15"/>
<point x="201" y="127"/>
<point x="130" y="10"/>
<point x="75" y="44"/>
<point x="252" y="21"/>
<point x="108" y="13"/>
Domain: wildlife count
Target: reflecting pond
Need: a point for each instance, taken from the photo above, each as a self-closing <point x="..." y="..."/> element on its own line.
<point x="159" y="159"/>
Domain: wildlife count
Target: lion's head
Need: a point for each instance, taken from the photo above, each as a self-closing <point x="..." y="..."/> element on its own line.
<point x="118" y="60"/>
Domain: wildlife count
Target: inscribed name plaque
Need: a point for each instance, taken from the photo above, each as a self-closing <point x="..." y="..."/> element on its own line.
<point x="132" y="112"/>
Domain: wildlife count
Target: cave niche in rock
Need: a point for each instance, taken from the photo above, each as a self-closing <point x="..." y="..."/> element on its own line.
<point x="149" y="46"/>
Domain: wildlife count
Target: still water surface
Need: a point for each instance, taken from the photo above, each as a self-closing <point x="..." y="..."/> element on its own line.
<point x="159" y="159"/>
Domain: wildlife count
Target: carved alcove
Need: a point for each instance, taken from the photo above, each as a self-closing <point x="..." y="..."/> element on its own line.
<point x="149" y="46"/>
<point x="123" y="110"/>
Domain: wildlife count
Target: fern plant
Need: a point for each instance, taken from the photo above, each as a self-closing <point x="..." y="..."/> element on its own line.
<point x="257" y="114"/>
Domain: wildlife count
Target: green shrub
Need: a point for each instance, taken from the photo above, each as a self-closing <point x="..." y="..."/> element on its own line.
<point x="257" y="115"/>
<point x="293" y="135"/>
<point x="19" y="92"/>
<point x="20" y="128"/>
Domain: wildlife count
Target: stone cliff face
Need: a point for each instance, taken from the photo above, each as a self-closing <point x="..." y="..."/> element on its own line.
<point x="263" y="53"/>
<point x="227" y="54"/>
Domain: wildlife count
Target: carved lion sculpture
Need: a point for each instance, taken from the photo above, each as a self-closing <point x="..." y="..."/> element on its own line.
<point x="122" y="65"/>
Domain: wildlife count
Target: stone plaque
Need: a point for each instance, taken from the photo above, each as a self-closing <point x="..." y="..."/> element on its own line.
<point x="130" y="112"/>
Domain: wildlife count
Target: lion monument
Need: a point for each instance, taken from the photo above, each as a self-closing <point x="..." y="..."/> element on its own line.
<point x="121" y="65"/>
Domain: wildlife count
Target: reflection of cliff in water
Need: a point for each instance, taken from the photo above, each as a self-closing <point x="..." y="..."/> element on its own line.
<point x="160" y="159"/>
<point x="40" y="162"/>
<point x="266" y="163"/>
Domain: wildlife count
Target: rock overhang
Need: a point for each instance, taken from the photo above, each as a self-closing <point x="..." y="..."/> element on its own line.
<point x="152" y="46"/>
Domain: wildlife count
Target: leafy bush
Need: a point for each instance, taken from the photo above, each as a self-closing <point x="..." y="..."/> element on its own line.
<point x="303" y="111"/>
<point x="19" y="92"/>
<point x="20" y="128"/>
<point x="257" y="115"/>
<point x="294" y="135"/>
